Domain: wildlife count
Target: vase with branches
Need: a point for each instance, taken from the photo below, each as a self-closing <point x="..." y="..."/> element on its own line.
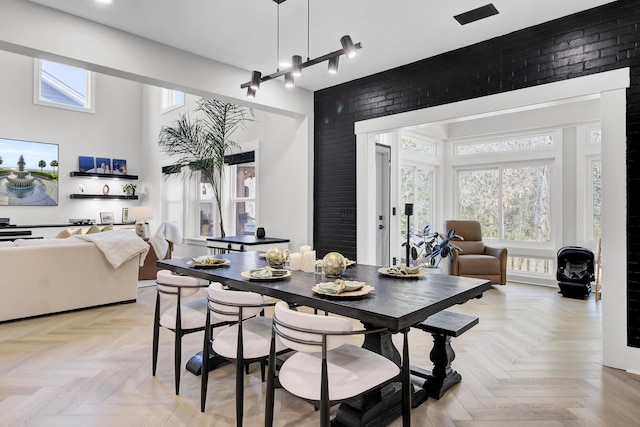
<point x="201" y="144"/>
<point x="431" y="246"/>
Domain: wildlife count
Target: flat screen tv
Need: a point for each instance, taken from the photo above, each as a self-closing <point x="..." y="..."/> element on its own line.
<point x="28" y="173"/>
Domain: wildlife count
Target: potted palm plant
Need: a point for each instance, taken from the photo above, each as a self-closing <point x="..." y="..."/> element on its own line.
<point x="431" y="247"/>
<point x="201" y="144"/>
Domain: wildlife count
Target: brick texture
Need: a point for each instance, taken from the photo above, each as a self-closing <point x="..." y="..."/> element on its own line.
<point x="592" y="41"/>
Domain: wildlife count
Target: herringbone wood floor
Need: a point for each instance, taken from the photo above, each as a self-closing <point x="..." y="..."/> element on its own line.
<point x="534" y="360"/>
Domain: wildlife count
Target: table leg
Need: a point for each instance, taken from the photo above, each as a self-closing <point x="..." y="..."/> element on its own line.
<point x="194" y="365"/>
<point x="442" y="377"/>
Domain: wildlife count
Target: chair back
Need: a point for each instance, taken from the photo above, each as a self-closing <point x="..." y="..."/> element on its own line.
<point x="226" y="304"/>
<point x="304" y="331"/>
<point x="170" y="283"/>
<point x="471" y="232"/>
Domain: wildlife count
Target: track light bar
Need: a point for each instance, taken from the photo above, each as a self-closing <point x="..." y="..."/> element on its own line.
<point x="348" y="48"/>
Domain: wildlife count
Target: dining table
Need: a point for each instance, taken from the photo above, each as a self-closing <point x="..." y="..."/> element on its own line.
<point x="394" y="303"/>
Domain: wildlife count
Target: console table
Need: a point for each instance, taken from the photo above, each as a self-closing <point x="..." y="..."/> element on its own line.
<point x="244" y="243"/>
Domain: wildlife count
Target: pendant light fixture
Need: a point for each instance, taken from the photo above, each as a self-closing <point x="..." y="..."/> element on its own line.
<point x="349" y="49"/>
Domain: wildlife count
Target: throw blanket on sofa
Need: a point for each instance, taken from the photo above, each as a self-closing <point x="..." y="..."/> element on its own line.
<point x="118" y="246"/>
<point x="167" y="232"/>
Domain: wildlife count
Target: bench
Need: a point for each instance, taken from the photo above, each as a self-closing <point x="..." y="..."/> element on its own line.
<point x="443" y="326"/>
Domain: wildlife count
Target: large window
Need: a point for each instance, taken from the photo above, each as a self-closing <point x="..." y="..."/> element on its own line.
<point x="416" y="186"/>
<point x="238" y="198"/>
<point x="63" y="86"/>
<point x="243" y="201"/>
<point x="511" y="202"/>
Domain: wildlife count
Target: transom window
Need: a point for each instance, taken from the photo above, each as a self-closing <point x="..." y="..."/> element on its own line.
<point x="505" y="145"/>
<point x="63" y="86"/>
<point x="414" y="144"/>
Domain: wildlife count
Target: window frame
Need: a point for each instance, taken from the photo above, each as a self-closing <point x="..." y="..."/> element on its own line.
<point x="552" y="156"/>
<point x="167" y="100"/>
<point x="89" y="88"/>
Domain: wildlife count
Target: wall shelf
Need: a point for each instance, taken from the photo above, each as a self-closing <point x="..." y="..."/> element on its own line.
<point x="103" y="196"/>
<point x="101" y="175"/>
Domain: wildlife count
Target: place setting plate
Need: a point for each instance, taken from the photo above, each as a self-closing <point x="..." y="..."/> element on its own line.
<point x="385" y="272"/>
<point x="359" y="289"/>
<point x="247" y="275"/>
<point x="207" y="262"/>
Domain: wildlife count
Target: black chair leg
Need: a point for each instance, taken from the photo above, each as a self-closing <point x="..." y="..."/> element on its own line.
<point x="156" y="337"/>
<point x="269" y="401"/>
<point x="239" y="392"/>
<point x="178" y="361"/>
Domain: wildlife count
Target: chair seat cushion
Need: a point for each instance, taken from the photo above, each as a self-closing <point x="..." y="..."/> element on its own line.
<point x="352" y="371"/>
<point x="478" y="264"/>
<point x="193" y="314"/>
<point x="256" y="334"/>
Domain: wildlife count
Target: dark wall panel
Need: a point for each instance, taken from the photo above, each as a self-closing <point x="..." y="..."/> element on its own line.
<point x="593" y="41"/>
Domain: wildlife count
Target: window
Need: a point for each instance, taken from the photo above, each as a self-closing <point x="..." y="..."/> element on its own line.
<point x="238" y="198"/>
<point x="506" y="145"/>
<point x="207" y="215"/>
<point x="416" y="186"/>
<point x="596" y="197"/>
<point x="243" y="202"/>
<point x="511" y="202"/>
<point x="414" y="144"/>
<point x="63" y="86"/>
<point x="171" y="99"/>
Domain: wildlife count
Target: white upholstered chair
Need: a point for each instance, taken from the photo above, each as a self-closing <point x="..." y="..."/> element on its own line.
<point x="247" y="340"/>
<point x="326" y="369"/>
<point x="177" y="313"/>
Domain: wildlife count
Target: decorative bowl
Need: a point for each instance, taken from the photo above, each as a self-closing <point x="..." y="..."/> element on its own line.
<point x="334" y="264"/>
<point x="276" y="256"/>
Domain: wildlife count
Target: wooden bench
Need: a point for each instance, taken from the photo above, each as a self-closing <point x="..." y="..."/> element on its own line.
<point x="443" y="326"/>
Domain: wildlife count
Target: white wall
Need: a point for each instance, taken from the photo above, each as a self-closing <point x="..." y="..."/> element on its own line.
<point x="113" y="131"/>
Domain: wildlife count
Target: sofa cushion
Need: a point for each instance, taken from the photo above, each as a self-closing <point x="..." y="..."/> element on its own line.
<point x="107" y="228"/>
<point x="68" y="233"/>
<point x="93" y="229"/>
<point x="45" y="242"/>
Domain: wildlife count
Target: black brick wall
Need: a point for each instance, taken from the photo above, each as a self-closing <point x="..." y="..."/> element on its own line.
<point x="596" y="40"/>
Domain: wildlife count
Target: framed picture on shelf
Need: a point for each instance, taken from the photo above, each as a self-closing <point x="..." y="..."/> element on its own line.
<point x="86" y="164"/>
<point x="103" y="165"/>
<point x="119" y="167"/>
<point x="125" y="215"/>
<point x="106" y="217"/>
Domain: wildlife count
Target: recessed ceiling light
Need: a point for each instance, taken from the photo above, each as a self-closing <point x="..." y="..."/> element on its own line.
<point x="104" y="1"/>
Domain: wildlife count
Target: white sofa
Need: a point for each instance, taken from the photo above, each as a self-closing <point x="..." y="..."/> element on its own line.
<point x="44" y="276"/>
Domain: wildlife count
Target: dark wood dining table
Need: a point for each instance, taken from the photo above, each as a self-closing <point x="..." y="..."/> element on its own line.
<point x="395" y="304"/>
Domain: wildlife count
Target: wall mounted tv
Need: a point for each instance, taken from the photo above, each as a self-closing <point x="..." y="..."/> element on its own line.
<point x="28" y="173"/>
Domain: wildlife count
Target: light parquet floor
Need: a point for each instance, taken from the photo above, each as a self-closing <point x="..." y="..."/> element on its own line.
<point x="534" y="360"/>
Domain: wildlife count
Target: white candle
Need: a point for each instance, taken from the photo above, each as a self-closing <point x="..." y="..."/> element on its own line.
<point x="304" y="248"/>
<point x="295" y="261"/>
<point x="309" y="261"/>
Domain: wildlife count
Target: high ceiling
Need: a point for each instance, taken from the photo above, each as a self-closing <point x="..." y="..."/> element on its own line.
<point x="243" y="33"/>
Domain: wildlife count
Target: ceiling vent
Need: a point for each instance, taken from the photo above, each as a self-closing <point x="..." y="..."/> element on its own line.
<point x="476" y="14"/>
